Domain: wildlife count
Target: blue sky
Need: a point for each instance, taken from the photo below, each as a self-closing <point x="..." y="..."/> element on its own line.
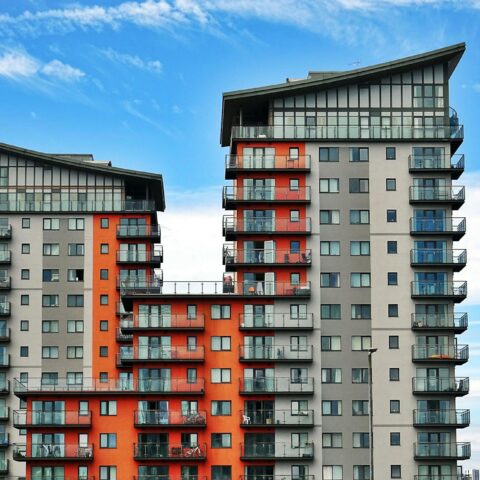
<point x="140" y="82"/>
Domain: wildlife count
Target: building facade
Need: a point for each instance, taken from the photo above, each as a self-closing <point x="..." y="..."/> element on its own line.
<point x="339" y="247"/>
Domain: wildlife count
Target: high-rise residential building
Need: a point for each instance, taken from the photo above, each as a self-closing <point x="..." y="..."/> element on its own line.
<point x="338" y="287"/>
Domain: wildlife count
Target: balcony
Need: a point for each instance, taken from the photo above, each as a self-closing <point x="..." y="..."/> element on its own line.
<point x="4" y="309"/>
<point x="275" y="321"/>
<point x="454" y="227"/>
<point x="276" y="418"/>
<point x="53" y="452"/>
<point x="237" y="164"/>
<point x="155" y="287"/>
<point x="456" y="354"/>
<point x="233" y="258"/>
<point x="159" y="322"/>
<point x="457" y="386"/>
<point x="276" y="353"/>
<point x="277" y="477"/>
<point x="232" y="196"/>
<point x="58" y="419"/>
<point x="123" y="337"/>
<point x="4" y="467"/>
<point x="454" y="322"/>
<point x="176" y="353"/>
<point x="441" y="418"/>
<point x="164" y="419"/>
<point x="453" y="165"/>
<point x="441" y="451"/>
<point x="459" y="476"/>
<point x="153" y="257"/>
<point x="5" y="283"/>
<point x="275" y="451"/>
<point x="5" y="335"/>
<point x="95" y="386"/>
<point x="455" y="291"/>
<point x="4" y="413"/>
<point x="5" y="387"/>
<point x="5" y="232"/>
<point x="437" y="257"/>
<point x="232" y="227"/>
<point x="453" y="196"/>
<point x="4" y="358"/>
<point x="165" y="451"/>
<point x="5" y="257"/>
<point x="146" y="232"/>
<point x="4" y="440"/>
<point x="277" y="385"/>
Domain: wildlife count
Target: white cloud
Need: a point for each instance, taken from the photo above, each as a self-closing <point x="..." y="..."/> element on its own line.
<point x="154" y="66"/>
<point x="16" y="63"/>
<point x="62" y="71"/>
<point x="133" y="108"/>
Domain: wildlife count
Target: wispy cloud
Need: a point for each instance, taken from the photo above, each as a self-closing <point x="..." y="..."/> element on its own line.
<point x="154" y="66"/>
<point x="62" y="71"/>
<point x="133" y="108"/>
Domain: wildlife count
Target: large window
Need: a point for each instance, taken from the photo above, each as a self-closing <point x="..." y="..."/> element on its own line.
<point x="328" y="154"/>
<point x="330" y="280"/>
<point x="358" y="154"/>
<point x="329" y="185"/>
<point x="329" y="217"/>
<point x="331" y="407"/>
<point x="358" y="217"/>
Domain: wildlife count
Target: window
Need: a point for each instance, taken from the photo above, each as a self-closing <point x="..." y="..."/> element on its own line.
<point x="49" y="378"/>
<point x="391" y="216"/>
<point x="24" y="299"/>
<point x="294" y="246"/>
<point x="218" y="312"/>
<point x="294" y="215"/>
<point x="51" y="249"/>
<point x="361" y="342"/>
<point x="392" y="278"/>
<point x="394" y="406"/>
<point x="104" y="325"/>
<point x="358" y="185"/>
<point x="191" y="312"/>
<point x="299" y="375"/>
<point x="25" y="248"/>
<point x="295" y="278"/>
<point x="395" y="471"/>
<point x="294" y="184"/>
<point x="49" y="352"/>
<point x="331" y="407"/>
<point x="390" y="184"/>
<point x="108" y="440"/>
<point x="108" y="473"/>
<point x="83" y="408"/>
<point x="358" y="154"/>
<point x="361" y="311"/>
<point x="391" y="246"/>
<point x="220" y="343"/>
<point x="393" y="310"/>
<point x="220" y="375"/>
<point x="76" y="249"/>
<point x="330" y="311"/>
<point x="25" y="274"/>
<point x="359" y="280"/>
<point x="108" y="407"/>
<point x="24" y="351"/>
<point x="393" y="342"/>
<point x="50" y="326"/>
<point x="103" y="377"/>
<point x="221" y="408"/>
<point x="104" y="223"/>
<point x="329" y="185"/>
<point x="331" y="344"/>
<point x="104" y="248"/>
<point x="74" y="352"/>
<point x="293" y="153"/>
<point x="103" y="299"/>
<point x="24" y="325"/>
<point x="330" y="248"/>
<point x="359" y="248"/>
<point x="50" y="301"/>
<point x="361" y="472"/>
<point x="103" y="351"/>
<point x="299" y="407"/>
<point x="332" y="440"/>
<point x="394" y="374"/>
<point x="51" y="224"/>
<point x="74" y="378"/>
<point x="361" y="440"/>
<point x="332" y="472"/>
<point x="50" y="275"/>
<point x="390" y="153"/>
<point x="74" y="326"/>
<point x="298" y="311"/>
<point x="328" y="154"/>
<point x="329" y="217"/>
<point x="75" y="274"/>
<point x="25" y="223"/>
<point x="74" y="300"/>
<point x="221" y="440"/>
<point x="330" y="280"/>
<point x="191" y="375"/>
<point x="331" y="375"/>
<point x="359" y="375"/>
<point x="359" y="217"/>
<point x="394" y="439"/>
<point x="359" y="407"/>
<point x="221" y="472"/>
<point x="76" y="224"/>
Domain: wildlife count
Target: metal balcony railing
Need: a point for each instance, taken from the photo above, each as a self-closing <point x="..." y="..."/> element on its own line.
<point x="276" y="418"/>
<point x="277" y="385"/>
<point x="430" y="450"/>
<point x="139" y="231"/>
<point x="454" y="226"/>
<point x="441" y="385"/>
<point x="53" y="452"/>
<point x="163" y="322"/>
<point x="437" y="162"/>
<point x="156" y="418"/>
<point x="175" y="353"/>
<point x="233" y="256"/>
<point x="457" y="290"/>
<point x="455" y="476"/>
<point x="166" y="451"/>
<point x="275" y="321"/>
<point x="57" y="419"/>
<point x="440" y="418"/>
<point x="440" y="353"/>
<point x="447" y="194"/>
<point x="439" y="256"/>
<point x="265" y="194"/>
<point x="276" y="450"/>
<point x="153" y="256"/>
<point x="276" y="353"/>
<point x="267" y="162"/>
<point x="234" y="225"/>
<point x="457" y="321"/>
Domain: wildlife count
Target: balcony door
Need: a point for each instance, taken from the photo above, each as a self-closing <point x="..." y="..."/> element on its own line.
<point x="154" y="348"/>
<point x="258" y="347"/>
<point x="259" y="189"/>
<point x="259" y="220"/>
<point x="258" y="316"/>
<point x="431" y="314"/>
<point x="260" y="444"/>
<point x="153" y="412"/>
<point x="153" y="445"/>
<point x="260" y="472"/>
<point x="260" y="412"/>
<point x="133" y="226"/>
<point x="432" y="283"/>
<point x="259" y="379"/>
<point x="48" y="412"/>
<point x="439" y="472"/>
<point x="432" y="220"/>
<point x="48" y="445"/>
<point x="431" y="251"/>
<point x="429" y="157"/>
<point x="436" y="379"/>
<point x="150" y="472"/>
<point x="154" y="379"/>
<point x="259" y="157"/>
<point x="47" y="473"/>
<point x="154" y="315"/>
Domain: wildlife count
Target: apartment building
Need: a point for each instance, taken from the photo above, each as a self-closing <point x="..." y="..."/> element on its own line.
<point x="339" y="248"/>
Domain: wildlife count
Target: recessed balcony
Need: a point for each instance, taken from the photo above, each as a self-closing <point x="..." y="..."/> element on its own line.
<point x="275" y="321"/>
<point x="233" y="196"/>
<point x="452" y="196"/>
<point x="167" y="419"/>
<point x="455" y="322"/>
<point x="276" y="353"/>
<point x="173" y="322"/>
<point x="455" y="291"/>
<point x="168" y="452"/>
<point x="5" y="257"/>
<point x="456" y="386"/>
<point x="276" y="451"/>
<point x="456" y="354"/>
<point x="276" y="418"/>
<point x="176" y="353"/>
<point x="454" y="227"/>
<point x="233" y="227"/>
<point x="53" y="452"/>
<point x="454" y="164"/>
<point x="234" y="258"/>
<point x="441" y="451"/>
<point x="5" y="232"/>
<point x="441" y="418"/>
<point x="277" y="385"/>
<point x="58" y="419"/>
<point x="152" y="257"/>
<point x="437" y="257"/>
<point x="146" y="232"/>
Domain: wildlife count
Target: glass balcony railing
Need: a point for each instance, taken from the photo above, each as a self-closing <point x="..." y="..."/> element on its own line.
<point x="456" y="258"/>
<point x="279" y="385"/>
<point x="57" y="419"/>
<point x="457" y="321"/>
<point x="456" y="290"/>
<point x="440" y="353"/>
<point x="276" y="353"/>
<point x="455" y="476"/>
<point x="447" y="451"/>
<point x="53" y="452"/>
<point x="155" y="418"/>
<point x="123" y="337"/>
<point x="446" y="194"/>
<point x="261" y="256"/>
<point x="232" y="195"/>
<point x="424" y="163"/>
<point x="441" y="385"/>
<point x="5" y="256"/>
<point x="154" y="256"/>
<point x="276" y="418"/>
<point x="266" y="450"/>
<point x="267" y="162"/>
<point x="452" y="226"/>
<point x="176" y="353"/>
<point x="275" y="321"/>
<point x="139" y="231"/>
<point x="453" y="418"/>
<point x="158" y="451"/>
<point x="285" y="226"/>
<point x="163" y="322"/>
